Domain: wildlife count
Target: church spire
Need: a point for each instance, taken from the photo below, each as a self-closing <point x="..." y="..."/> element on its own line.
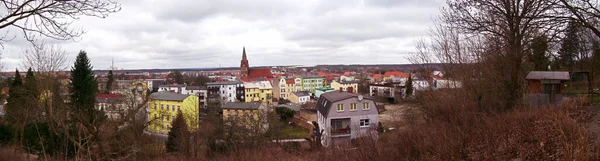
<point x="244" y="53"/>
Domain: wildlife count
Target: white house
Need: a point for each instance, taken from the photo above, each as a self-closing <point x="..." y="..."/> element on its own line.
<point x="344" y="116"/>
<point x="225" y="90"/>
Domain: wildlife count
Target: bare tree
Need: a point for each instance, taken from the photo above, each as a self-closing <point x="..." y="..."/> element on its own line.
<point x="44" y="57"/>
<point x="50" y="18"/>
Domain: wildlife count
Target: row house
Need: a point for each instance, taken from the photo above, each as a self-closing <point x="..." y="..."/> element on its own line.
<point x="260" y="91"/>
<point x="311" y="82"/>
<point x="164" y="106"/>
<point x="346" y="86"/>
<point x="283" y="87"/>
<point x="201" y="92"/>
<point x="226" y="91"/>
<point x="111" y="104"/>
<point x="251" y="115"/>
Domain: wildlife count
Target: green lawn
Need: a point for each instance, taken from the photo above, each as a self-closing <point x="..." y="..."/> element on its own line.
<point x="294" y="132"/>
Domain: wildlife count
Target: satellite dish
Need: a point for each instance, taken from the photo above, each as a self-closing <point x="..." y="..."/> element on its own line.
<point x="360" y="97"/>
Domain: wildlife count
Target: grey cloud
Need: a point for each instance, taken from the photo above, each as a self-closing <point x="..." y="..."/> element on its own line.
<point x="208" y="33"/>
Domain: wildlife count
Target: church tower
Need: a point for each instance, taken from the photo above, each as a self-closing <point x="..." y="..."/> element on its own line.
<point x="244" y="64"/>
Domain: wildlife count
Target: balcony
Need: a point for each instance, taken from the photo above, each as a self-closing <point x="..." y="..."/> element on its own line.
<point x="340" y="127"/>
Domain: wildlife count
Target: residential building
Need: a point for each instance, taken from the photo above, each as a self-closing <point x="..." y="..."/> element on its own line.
<point x="344" y="116"/>
<point x="320" y="91"/>
<point x="394" y="74"/>
<point x="311" y="82"/>
<point x="201" y="92"/>
<point x="164" y="106"/>
<point x="283" y="87"/>
<point x="260" y="91"/>
<point x="382" y="90"/>
<point x="346" y="86"/>
<point x="248" y="114"/>
<point x="174" y="88"/>
<point x="300" y="97"/>
<point x="111" y="104"/>
<point x="227" y="91"/>
<point x="347" y="78"/>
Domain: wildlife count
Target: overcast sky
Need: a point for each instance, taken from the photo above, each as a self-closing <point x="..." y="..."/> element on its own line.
<point x="208" y="33"/>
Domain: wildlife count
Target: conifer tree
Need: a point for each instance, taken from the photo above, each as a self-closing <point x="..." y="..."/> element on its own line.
<point x="32" y="94"/>
<point x="177" y="137"/>
<point x="14" y="99"/>
<point x="84" y="88"/>
<point x="111" y="79"/>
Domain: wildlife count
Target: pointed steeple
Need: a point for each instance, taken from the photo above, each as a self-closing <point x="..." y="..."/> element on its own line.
<point x="244" y="53"/>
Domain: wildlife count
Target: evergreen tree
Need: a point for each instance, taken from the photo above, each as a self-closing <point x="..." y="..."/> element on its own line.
<point x="409" y="85"/>
<point x="177" y="137"/>
<point x="570" y="47"/>
<point x="179" y="79"/>
<point x="32" y="93"/>
<point x="83" y="89"/>
<point x="15" y="99"/>
<point x="539" y="57"/>
<point x="111" y="79"/>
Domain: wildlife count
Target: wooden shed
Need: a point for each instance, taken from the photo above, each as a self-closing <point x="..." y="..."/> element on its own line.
<point x="545" y="87"/>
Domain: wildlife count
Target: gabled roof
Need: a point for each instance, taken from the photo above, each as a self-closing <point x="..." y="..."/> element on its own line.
<point x="395" y="74"/>
<point x="377" y="76"/>
<point x="242" y="105"/>
<point x="327" y="99"/>
<point x="260" y="72"/>
<point x="168" y="96"/>
<point x="548" y="75"/>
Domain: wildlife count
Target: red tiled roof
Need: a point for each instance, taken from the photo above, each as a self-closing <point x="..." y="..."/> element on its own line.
<point x="377" y="76"/>
<point x="322" y="74"/>
<point x="261" y="72"/>
<point x="291" y="81"/>
<point x="108" y="96"/>
<point x="395" y="74"/>
<point x="330" y="78"/>
<point x="349" y="73"/>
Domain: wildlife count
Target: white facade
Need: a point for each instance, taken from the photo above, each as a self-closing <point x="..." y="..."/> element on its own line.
<point x="381" y="90"/>
<point x="344" y="78"/>
<point x="179" y="89"/>
<point x="227" y="90"/>
<point x="303" y="99"/>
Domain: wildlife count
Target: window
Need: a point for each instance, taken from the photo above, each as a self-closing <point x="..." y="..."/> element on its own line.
<point x="168" y="118"/>
<point x="154" y="106"/>
<point x="173" y="109"/>
<point x="364" y="122"/>
<point x="340" y="107"/>
<point x="167" y="107"/>
<point x="173" y="117"/>
<point x="366" y="106"/>
<point x="162" y="107"/>
<point x="178" y="108"/>
<point x="353" y="107"/>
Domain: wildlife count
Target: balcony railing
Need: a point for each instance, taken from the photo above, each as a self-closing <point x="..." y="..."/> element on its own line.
<point x="340" y="131"/>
